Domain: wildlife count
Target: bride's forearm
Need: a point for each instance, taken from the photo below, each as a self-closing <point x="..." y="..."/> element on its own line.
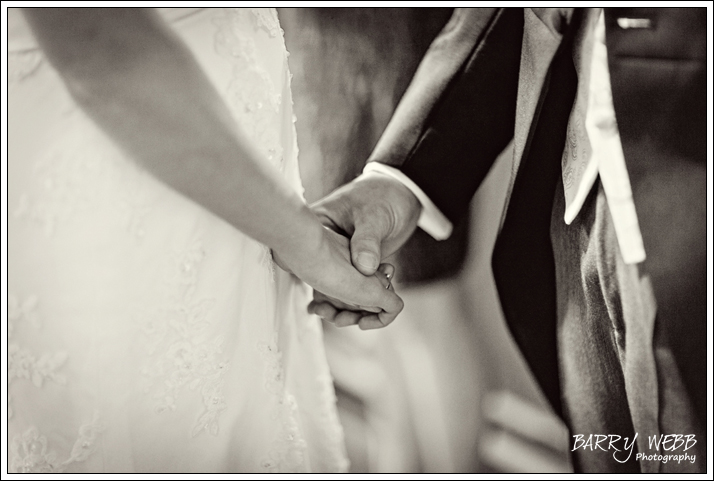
<point x="143" y="87"/>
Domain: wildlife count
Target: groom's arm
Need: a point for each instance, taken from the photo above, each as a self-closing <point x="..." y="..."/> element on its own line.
<point x="461" y="133"/>
<point x="445" y="135"/>
<point x="441" y="65"/>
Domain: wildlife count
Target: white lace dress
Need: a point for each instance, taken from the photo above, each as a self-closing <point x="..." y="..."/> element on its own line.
<point x="144" y="333"/>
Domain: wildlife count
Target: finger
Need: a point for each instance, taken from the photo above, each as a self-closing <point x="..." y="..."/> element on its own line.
<point x="326" y="311"/>
<point x="353" y="287"/>
<point x="319" y="297"/>
<point x="391" y="308"/>
<point x="365" y="246"/>
<point x="367" y="323"/>
<point x="389" y="302"/>
<point x="387" y="317"/>
<point x="371" y="292"/>
<point x="347" y="318"/>
<point x="311" y="307"/>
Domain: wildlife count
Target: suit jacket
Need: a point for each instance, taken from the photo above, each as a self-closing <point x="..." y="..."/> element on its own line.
<point x="479" y="87"/>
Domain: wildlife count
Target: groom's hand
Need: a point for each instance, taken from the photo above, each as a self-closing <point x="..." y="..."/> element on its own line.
<point x="376" y="212"/>
<point x="327" y="268"/>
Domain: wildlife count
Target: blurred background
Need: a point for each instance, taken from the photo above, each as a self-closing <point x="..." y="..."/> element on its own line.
<point x="442" y="389"/>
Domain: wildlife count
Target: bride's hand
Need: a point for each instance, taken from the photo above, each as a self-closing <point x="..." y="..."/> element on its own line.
<point x="341" y="314"/>
<point x="328" y="269"/>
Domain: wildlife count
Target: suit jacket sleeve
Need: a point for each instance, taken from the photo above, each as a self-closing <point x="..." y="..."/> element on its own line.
<point x="459" y="112"/>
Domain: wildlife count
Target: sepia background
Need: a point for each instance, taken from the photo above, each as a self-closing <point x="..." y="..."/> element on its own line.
<point x="442" y="389"/>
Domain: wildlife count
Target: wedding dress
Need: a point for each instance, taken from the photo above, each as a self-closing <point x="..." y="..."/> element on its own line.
<point x="146" y="334"/>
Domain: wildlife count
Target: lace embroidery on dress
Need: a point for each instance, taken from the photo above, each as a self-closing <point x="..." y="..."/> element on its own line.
<point x="252" y="97"/>
<point x="30" y="452"/>
<point x="287" y="453"/>
<point x="185" y="358"/>
<point x="21" y="363"/>
<point x="267" y="18"/>
<point x="85" y="444"/>
<point x="62" y="190"/>
<point x="70" y="179"/>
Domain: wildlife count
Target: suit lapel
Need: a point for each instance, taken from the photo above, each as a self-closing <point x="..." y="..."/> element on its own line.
<point x="541" y="39"/>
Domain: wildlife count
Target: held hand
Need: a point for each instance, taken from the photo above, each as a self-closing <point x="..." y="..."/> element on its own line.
<point x="342" y="314"/>
<point x="377" y="212"/>
<point x="329" y="271"/>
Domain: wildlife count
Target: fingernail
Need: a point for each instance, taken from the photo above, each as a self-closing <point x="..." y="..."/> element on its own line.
<point x="367" y="260"/>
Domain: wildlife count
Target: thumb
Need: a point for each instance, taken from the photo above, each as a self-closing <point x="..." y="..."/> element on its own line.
<point x="365" y="248"/>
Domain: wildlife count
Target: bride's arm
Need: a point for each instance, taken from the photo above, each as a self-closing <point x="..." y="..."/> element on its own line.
<point x="143" y="87"/>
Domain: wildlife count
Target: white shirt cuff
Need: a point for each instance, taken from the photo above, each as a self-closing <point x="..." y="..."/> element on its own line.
<point x="431" y="220"/>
